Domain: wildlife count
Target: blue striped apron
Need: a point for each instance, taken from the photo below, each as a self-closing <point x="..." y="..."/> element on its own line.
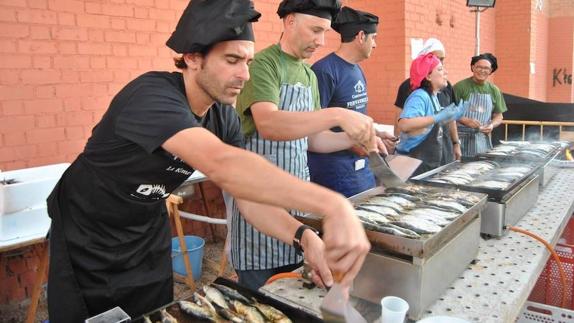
<point x="472" y="141"/>
<point x="250" y="249"/>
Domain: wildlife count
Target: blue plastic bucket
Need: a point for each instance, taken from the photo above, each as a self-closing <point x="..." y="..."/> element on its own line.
<point x="194" y="250"/>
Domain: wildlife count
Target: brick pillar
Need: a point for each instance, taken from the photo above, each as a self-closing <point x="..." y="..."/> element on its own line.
<point x="513" y="39"/>
<point x="560" y="60"/>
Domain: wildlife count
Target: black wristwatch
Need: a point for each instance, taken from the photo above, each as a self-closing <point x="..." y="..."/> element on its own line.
<point x="298" y="235"/>
<point x="455" y="142"/>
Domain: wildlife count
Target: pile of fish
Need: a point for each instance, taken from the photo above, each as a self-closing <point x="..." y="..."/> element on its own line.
<point x="485" y="173"/>
<point x="413" y="211"/>
<point x="523" y="150"/>
<point x="224" y="304"/>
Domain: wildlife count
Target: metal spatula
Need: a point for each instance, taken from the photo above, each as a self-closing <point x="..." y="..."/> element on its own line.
<point x="336" y="308"/>
<point x="403" y="166"/>
<point x="384" y="175"/>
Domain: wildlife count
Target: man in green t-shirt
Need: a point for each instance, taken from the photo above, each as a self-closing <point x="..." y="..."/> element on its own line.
<point x="281" y="117"/>
<point x="486" y="106"/>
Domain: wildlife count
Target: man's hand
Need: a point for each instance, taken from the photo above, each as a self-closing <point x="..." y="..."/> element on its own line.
<point x="457" y="151"/>
<point x="389" y="141"/>
<point x="314" y="252"/>
<point x="468" y="122"/>
<point x="358" y="126"/>
<point x="486" y="129"/>
<point x="345" y="240"/>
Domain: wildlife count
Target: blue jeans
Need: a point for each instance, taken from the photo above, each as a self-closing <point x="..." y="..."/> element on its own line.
<point x="254" y="279"/>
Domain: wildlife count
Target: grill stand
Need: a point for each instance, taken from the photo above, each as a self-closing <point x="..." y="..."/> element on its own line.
<point x="415" y="280"/>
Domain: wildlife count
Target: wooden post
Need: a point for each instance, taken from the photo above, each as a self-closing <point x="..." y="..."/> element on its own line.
<point x="40" y="277"/>
<point x="172" y="203"/>
<point x="223" y="260"/>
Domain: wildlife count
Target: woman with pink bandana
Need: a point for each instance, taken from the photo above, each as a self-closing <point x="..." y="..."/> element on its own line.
<point x="423" y="122"/>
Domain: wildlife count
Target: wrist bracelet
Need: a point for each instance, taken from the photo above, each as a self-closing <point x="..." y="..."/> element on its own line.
<point x="298" y="235"/>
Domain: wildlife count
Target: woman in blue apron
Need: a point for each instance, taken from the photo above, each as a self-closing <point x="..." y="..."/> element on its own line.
<point x="423" y="122"/>
<point x="486" y="105"/>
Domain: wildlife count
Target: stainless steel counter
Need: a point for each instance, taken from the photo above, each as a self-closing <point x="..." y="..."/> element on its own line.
<point x="493" y="289"/>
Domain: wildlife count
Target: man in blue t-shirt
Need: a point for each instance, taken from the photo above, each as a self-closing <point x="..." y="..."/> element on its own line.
<point x="342" y="83"/>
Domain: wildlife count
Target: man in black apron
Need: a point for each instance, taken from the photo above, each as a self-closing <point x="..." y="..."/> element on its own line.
<point x="110" y="235"/>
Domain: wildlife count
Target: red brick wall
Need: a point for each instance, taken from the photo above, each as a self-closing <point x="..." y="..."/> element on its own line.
<point x="560" y="8"/>
<point x="513" y="46"/>
<point x="561" y="31"/>
<point x="454" y="24"/>
<point x="18" y="273"/>
<point x="539" y="50"/>
<point x="385" y="69"/>
<point x="61" y="61"/>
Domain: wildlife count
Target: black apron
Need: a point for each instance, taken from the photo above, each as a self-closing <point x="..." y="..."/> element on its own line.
<point x="120" y="256"/>
<point x="436" y="150"/>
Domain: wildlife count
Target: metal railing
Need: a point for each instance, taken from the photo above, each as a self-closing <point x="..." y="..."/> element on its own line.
<point x="541" y="124"/>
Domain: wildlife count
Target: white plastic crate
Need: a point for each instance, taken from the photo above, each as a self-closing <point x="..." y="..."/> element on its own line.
<point x="536" y="312"/>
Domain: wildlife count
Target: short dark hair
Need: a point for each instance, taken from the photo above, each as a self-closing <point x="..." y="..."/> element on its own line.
<point x="426" y="85"/>
<point x="348" y="39"/>
<point x="180" y="62"/>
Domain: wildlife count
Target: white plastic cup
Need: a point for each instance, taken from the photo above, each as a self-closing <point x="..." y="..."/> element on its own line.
<point x="394" y="309"/>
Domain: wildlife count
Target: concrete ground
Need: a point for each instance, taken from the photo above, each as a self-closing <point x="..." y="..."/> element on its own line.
<point x="16" y="313"/>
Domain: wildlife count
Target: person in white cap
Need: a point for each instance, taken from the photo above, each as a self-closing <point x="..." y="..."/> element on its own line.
<point x="445" y="97"/>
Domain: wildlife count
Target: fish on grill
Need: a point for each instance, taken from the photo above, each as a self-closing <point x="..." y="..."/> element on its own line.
<point x="417" y="225"/>
<point x="271" y="313"/>
<point x="456" y="180"/>
<point x="408" y="189"/>
<point x="390" y="228"/>
<point x="491" y="184"/>
<point x="447" y="205"/>
<point x="433" y="218"/>
<point x="196" y="310"/>
<point x="400" y="200"/>
<point x="522" y="149"/>
<point x="213" y="295"/>
<point x="231" y="293"/>
<point x="250" y="313"/>
<point x="463" y="198"/>
<point x="516" y="169"/>
<point x="371" y="219"/>
<point x="437" y="212"/>
<point x="405" y="196"/>
<point x="396" y="230"/>
<point x="381" y="201"/>
<point x="382" y="210"/>
<point x="482" y="165"/>
<point x="224" y="304"/>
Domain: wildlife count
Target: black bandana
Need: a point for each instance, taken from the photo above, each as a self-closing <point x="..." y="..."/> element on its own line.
<point x="207" y="22"/>
<point x="327" y="9"/>
<point x="487" y="56"/>
<point x="350" y="21"/>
